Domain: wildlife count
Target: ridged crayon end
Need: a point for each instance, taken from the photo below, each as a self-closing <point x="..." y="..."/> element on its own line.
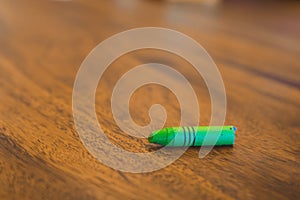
<point x="233" y="128"/>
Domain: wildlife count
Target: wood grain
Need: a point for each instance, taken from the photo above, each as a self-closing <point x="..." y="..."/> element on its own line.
<point x="255" y="45"/>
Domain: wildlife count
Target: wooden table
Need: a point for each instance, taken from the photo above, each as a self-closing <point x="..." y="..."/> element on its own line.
<point x="255" y="46"/>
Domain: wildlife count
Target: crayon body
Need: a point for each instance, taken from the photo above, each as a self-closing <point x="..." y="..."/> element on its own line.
<point x="194" y="136"/>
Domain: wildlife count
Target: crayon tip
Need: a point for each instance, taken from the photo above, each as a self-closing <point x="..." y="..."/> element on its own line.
<point x="157" y="136"/>
<point x="151" y="137"/>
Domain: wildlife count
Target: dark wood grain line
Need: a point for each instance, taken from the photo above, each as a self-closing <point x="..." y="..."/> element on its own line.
<point x="268" y="75"/>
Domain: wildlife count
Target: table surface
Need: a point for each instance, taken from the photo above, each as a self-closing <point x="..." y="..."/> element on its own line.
<point x="255" y="46"/>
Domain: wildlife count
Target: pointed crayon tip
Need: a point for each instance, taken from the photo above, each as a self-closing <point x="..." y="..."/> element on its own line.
<point x="157" y="136"/>
<point x="151" y="137"/>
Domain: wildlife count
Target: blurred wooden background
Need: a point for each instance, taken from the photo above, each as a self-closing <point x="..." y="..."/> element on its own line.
<point x="255" y="45"/>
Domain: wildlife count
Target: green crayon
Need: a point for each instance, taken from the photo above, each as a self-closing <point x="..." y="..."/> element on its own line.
<point x="194" y="136"/>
